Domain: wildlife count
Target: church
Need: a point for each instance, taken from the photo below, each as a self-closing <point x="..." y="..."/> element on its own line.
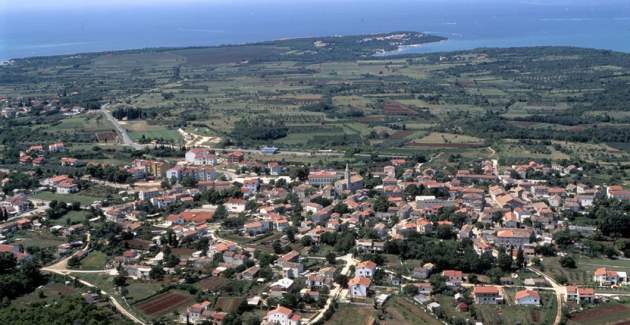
<point x="350" y="182"/>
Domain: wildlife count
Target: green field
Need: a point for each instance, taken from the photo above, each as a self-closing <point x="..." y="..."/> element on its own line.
<point x="139" y="290"/>
<point x="401" y="310"/>
<point x="358" y="315"/>
<point x="68" y="198"/>
<point x="94" y="261"/>
<point x="71" y="217"/>
<point x="527" y="103"/>
<point x="38" y="239"/>
<point x="583" y="274"/>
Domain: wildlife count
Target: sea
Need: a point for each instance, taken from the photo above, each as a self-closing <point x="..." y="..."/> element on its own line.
<point x="468" y="24"/>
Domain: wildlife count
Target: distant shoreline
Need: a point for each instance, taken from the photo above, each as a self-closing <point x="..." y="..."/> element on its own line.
<point x="4" y="61"/>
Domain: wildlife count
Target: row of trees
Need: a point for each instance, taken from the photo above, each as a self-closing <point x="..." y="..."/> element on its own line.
<point x="129" y="113"/>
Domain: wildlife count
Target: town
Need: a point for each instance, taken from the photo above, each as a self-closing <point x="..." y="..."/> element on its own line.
<point x="316" y="180"/>
<point x="226" y="237"/>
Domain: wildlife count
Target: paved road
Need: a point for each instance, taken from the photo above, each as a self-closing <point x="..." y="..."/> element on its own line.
<point x="122" y="133"/>
<point x="559" y="290"/>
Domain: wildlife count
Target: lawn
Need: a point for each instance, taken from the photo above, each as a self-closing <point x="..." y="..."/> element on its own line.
<point x="68" y="198"/>
<point x="511" y="314"/>
<point x="212" y="283"/>
<point x="137" y="129"/>
<point x="139" y="290"/>
<point x="358" y="315"/>
<point x="85" y="122"/>
<point x="72" y="217"/>
<point x="50" y="291"/>
<point x="38" y="239"/>
<point x="583" y="274"/>
<point x="401" y="310"/>
<point x="95" y="260"/>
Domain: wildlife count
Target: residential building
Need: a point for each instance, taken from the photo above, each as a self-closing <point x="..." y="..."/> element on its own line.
<point x="282" y="316"/>
<point x="365" y="269"/>
<point x="527" y="297"/>
<point x="200" y="156"/>
<point x="486" y="295"/>
<point x="605" y="277"/>
<point x="359" y="286"/>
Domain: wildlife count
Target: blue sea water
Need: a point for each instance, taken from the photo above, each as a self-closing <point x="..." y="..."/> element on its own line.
<point x="603" y="24"/>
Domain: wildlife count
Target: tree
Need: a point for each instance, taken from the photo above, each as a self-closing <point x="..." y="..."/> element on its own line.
<point x="300" y="173"/>
<point x="381" y="204"/>
<point x="438" y="283"/>
<point x="341" y="208"/>
<point x="74" y="262"/>
<point x="504" y="261"/>
<point x="8" y="263"/>
<point x="170" y="259"/>
<point x="290" y="231"/>
<point x="188" y="181"/>
<point x="157" y="272"/>
<point x="341" y="279"/>
<point x="520" y="258"/>
<point x="220" y="213"/>
<point x="251" y="205"/>
<point x="120" y="281"/>
<point x="277" y="247"/>
<point x="568" y="262"/>
<point x="331" y="258"/>
<point x="306" y="241"/>
<point x="410" y="289"/>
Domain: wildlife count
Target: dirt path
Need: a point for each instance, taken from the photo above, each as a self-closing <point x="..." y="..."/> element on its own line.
<point x="334" y="294"/>
<point x="559" y="290"/>
<point x="61" y="268"/>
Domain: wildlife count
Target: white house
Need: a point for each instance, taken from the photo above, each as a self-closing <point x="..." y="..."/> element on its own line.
<point x="527" y="297"/>
<point x="200" y="156"/>
<point x="282" y="316"/>
<point x="235" y="205"/>
<point x="358" y="286"/>
<point x="486" y="295"/>
<point x="606" y="277"/>
<point x="365" y="269"/>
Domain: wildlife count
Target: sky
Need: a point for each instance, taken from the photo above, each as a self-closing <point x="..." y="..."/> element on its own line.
<point x="35" y="5"/>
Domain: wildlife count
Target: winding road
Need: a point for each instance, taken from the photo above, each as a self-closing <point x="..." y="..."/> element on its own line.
<point x="334" y="294"/>
<point x="61" y="268"/>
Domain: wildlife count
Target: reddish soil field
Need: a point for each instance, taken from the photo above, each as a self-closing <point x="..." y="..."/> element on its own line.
<point x="597" y="313"/>
<point x="401" y="134"/>
<point x="164" y="303"/>
<point x="395" y="108"/>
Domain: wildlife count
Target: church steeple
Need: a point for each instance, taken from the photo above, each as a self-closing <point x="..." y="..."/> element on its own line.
<point x="347" y="176"/>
